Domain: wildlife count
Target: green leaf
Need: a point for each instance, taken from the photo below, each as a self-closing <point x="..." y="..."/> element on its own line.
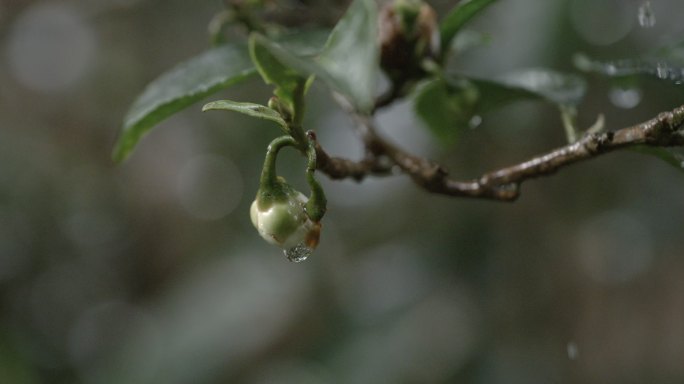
<point x="494" y="94"/>
<point x="274" y="72"/>
<point x="446" y="110"/>
<point x="182" y="86"/>
<point x="351" y="55"/>
<point x="250" y="109"/>
<point x="556" y="87"/>
<point x="451" y="104"/>
<point x="469" y="39"/>
<point x="194" y="80"/>
<point x="669" y="66"/>
<point x="459" y="16"/>
<point x="667" y="155"/>
<point x="349" y="60"/>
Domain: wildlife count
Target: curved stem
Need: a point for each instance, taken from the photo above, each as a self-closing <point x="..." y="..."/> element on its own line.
<point x="316" y="206"/>
<point x="270" y="188"/>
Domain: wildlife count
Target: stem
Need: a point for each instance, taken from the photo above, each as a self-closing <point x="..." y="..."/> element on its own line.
<point x="316" y="206"/>
<point x="270" y="187"/>
<point x="298" y="110"/>
<point x="665" y="130"/>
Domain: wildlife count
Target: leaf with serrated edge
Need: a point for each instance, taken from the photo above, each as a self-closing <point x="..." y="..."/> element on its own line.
<point x="250" y="109"/>
<point x="194" y="80"/>
<point x="184" y="85"/>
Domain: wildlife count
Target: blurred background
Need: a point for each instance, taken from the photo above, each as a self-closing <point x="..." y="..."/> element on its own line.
<point x="151" y="272"/>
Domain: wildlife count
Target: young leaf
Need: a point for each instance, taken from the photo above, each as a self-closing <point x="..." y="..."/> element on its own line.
<point x="351" y="55"/>
<point x="349" y="60"/>
<point x="182" y="86"/>
<point x="250" y="109"/>
<point x="458" y="17"/>
<point x="285" y="79"/>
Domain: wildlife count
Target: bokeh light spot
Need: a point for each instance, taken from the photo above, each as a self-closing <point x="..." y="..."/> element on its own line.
<point x="50" y="47"/>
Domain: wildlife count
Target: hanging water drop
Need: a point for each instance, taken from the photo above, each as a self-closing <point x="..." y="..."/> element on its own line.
<point x="298" y="253"/>
<point x="646" y="15"/>
<point x="625" y="98"/>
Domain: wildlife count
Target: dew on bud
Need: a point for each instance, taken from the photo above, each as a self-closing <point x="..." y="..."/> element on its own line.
<point x="298" y="253"/>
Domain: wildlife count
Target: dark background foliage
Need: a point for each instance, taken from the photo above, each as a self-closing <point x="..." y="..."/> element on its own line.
<point x="150" y="272"/>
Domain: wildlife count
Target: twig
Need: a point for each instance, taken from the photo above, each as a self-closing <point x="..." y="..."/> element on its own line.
<point x="665" y="130"/>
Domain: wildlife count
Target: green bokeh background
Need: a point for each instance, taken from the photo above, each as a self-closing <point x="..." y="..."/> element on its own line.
<point x="150" y="272"/>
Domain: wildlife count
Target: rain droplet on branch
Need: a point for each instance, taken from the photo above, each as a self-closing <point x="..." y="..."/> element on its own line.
<point x="646" y="15"/>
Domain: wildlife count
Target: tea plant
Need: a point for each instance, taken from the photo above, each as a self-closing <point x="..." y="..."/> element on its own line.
<point x="405" y="41"/>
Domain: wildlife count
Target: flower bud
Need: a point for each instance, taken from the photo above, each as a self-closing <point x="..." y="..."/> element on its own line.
<point x="285" y="222"/>
<point x="408" y="34"/>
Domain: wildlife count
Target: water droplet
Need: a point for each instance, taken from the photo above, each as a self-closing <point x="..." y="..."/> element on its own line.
<point x="573" y="350"/>
<point x="298" y="253"/>
<point x="663" y="71"/>
<point x="625" y="98"/>
<point x="475" y="122"/>
<point x="646" y="15"/>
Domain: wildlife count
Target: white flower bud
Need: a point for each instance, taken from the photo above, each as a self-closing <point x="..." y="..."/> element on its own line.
<point x="286" y="223"/>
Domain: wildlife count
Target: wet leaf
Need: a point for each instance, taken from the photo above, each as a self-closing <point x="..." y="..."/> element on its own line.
<point x="192" y="81"/>
<point x="459" y="16"/>
<point x="182" y="86"/>
<point x="454" y="103"/>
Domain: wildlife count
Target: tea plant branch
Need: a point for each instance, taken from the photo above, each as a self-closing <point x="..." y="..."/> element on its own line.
<point x="664" y="130"/>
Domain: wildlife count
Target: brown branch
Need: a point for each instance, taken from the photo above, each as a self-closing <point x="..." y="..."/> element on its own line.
<point x="665" y="130"/>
